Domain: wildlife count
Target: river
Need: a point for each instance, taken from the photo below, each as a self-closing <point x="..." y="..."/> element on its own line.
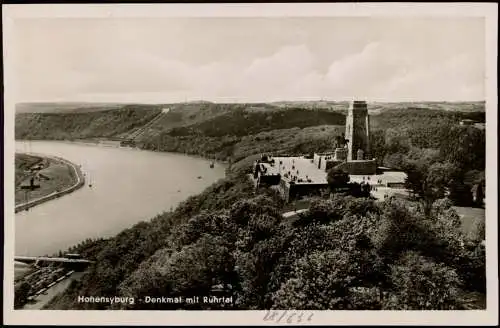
<point x="128" y="186"/>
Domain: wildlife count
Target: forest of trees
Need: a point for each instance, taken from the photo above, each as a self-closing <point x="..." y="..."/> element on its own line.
<point x="242" y="122"/>
<point x="439" y="159"/>
<point x="82" y="125"/>
<point x="344" y="253"/>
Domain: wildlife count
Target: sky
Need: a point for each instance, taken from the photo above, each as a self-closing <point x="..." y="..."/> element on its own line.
<point x="161" y="60"/>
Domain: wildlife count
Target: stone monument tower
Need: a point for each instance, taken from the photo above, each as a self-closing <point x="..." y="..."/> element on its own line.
<point x="357" y="130"/>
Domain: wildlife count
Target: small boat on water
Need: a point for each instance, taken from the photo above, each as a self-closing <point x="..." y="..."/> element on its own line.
<point x="90" y="179"/>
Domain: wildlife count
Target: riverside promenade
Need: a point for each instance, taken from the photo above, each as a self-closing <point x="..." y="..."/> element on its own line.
<point x="56" y="194"/>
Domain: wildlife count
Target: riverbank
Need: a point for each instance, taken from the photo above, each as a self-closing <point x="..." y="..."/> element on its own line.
<point x="77" y="174"/>
<point x="102" y="142"/>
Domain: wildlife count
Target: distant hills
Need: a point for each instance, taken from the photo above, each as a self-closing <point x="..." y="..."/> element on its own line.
<point x="473" y="106"/>
<point x="374" y="107"/>
<point x="377" y="107"/>
<point x="64" y="107"/>
<point x="228" y="131"/>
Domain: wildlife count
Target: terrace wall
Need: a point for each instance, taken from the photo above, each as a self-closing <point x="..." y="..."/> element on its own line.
<point x="359" y="167"/>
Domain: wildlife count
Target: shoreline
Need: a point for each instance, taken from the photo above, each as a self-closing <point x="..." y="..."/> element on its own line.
<point x="115" y="144"/>
<point x="56" y="194"/>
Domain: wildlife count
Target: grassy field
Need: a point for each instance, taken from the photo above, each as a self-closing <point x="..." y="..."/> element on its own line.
<point x="60" y="176"/>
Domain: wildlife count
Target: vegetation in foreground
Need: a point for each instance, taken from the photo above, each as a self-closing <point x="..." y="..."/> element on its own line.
<point x="345" y="253"/>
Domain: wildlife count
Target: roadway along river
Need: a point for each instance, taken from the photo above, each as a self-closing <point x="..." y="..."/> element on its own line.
<point x="128" y="186"/>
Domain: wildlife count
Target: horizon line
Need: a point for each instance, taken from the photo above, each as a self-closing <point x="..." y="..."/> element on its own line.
<point x="244" y="102"/>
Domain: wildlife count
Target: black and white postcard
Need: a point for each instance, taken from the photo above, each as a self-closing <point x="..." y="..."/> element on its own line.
<point x="250" y="164"/>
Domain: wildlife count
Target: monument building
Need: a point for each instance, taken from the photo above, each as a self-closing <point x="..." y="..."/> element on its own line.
<point x="302" y="175"/>
<point x="352" y="149"/>
<point x="357" y="131"/>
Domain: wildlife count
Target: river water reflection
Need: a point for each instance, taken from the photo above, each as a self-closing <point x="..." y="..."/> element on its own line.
<point x="128" y="186"/>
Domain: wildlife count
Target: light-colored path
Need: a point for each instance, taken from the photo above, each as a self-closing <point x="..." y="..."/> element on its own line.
<point x="139" y="132"/>
<point x="292" y="213"/>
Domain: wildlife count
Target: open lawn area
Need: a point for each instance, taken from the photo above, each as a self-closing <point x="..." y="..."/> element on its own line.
<point x="471" y="218"/>
<point x="57" y="176"/>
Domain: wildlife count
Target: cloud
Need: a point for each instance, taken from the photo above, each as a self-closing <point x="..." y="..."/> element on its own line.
<point x="388" y="71"/>
<point x="274" y="75"/>
<point x="457" y="77"/>
<point x="376" y="72"/>
<point x="163" y="67"/>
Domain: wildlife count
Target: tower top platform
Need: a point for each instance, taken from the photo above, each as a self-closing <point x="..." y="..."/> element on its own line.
<point x="358" y="105"/>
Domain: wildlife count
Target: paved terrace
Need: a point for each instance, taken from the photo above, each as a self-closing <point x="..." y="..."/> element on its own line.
<point x="307" y="171"/>
<point x="310" y="174"/>
<point x="380" y="179"/>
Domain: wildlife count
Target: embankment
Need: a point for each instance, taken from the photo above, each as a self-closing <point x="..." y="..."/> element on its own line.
<point x="78" y="184"/>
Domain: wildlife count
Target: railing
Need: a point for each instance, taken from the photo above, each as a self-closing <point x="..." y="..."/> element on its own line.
<point x="30" y="259"/>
